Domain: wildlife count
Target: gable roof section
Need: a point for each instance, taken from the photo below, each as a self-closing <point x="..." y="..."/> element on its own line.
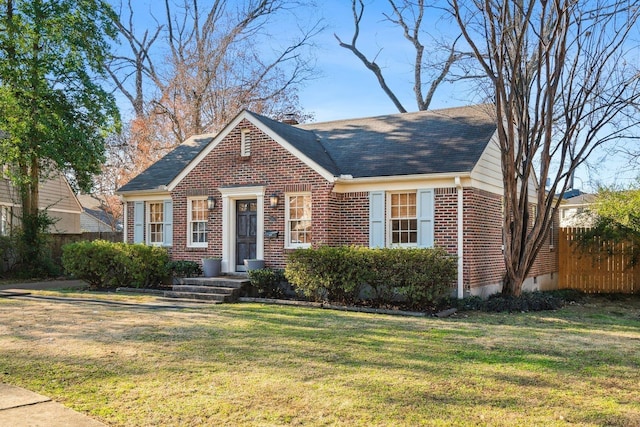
<point x="303" y="140"/>
<point x="425" y="142"/>
<point x="165" y="170"/>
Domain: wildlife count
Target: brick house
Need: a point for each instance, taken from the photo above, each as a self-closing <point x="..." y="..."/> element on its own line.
<point x="261" y="188"/>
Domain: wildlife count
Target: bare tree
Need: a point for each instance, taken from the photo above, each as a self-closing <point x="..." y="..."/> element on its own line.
<point x="209" y="61"/>
<point x="138" y="64"/>
<point x="218" y="65"/>
<point x="563" y="86"/>
<point x="428" y="73"/>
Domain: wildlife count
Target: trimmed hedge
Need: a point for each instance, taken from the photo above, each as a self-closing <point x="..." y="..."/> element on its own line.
<point x="105" y="264"/>
<point x="420" y="277"/>
<point x="183" y="269"/>
<point x="266" y="282"/>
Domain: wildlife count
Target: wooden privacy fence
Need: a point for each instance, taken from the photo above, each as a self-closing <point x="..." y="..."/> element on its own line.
<point x="604" y="267"/>
<point x="59" y="240"/>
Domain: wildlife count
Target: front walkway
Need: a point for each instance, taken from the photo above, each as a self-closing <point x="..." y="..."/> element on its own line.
<point x="22" y="408"/>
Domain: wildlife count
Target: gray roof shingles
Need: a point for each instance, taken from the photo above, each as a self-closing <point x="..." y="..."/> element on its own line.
<point x="167" y="168"/>
<point x="425" y="142"/>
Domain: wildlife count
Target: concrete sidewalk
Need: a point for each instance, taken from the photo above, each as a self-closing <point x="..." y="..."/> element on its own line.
<point x="22" y="408"/>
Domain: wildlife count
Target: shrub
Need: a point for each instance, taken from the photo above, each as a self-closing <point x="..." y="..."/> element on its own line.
<point x="7" y="252"/>
<point x="267" y="282"/>
<point x="184" y="268"/>
<point x="327" y="273"/>
<point x="105" y="264"/>
<point x="527" y="301"/>
<point x="89" y="261"/>
<point x="148" y="264"/>
<point x="421" y="276"/>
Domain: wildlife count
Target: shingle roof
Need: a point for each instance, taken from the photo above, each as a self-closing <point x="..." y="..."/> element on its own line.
<point x="425" y="142"/>
<point x="304" y="140"/>
<point x="167" y="168"/>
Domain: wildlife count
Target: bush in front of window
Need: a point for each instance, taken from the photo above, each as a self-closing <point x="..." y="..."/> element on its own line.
<point x="334" y="274"/>
<point x="148" y="266"/>
<point x="419" y="277"/>
<point x="104" y="264"/>
<point x="423" y="276"/>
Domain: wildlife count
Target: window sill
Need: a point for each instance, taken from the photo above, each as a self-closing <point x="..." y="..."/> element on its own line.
<point x="292" y="247"/>
<point x="196" y="248"/>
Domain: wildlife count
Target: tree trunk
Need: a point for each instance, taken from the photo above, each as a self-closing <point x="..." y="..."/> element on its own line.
<point x="512" y="282"/>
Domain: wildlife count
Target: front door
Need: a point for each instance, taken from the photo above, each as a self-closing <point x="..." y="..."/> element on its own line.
<point x="246" y="231"/>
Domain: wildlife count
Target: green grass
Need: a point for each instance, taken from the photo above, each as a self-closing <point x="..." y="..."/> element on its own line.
<point x="252" y="364"/>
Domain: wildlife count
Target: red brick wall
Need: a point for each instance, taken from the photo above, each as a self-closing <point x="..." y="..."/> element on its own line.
<point x="270" y="165"/>
<point x="130" y="222"/>
<point x="483" y="258"/>
<point x="352" y="219"/>
<point x="446" y="219"/>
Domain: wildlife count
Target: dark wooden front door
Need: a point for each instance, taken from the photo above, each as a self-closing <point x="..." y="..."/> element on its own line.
<point x="246" y="228"/>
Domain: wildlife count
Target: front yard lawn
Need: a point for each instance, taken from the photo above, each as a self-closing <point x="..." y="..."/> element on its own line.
<point x="253" y="364"/>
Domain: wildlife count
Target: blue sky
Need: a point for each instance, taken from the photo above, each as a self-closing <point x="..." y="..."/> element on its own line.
<point x="343" y="88"/>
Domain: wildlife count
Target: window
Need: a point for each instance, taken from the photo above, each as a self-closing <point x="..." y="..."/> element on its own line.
<point x="298" y="220"/>
<point x="197" y="213"/>
<point x="403" y="219"/>
<point x="245" y="143"/>
<point x="155" y="223"/>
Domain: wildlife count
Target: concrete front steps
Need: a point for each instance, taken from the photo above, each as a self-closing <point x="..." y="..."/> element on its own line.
<point x="208" y="289"/>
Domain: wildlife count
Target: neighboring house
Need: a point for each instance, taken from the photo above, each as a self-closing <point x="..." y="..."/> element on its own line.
<point x="95" y="215"/>
<point x="56" y="196"/>
<point x="574" y="210"/>
<point x="261" y="188"/>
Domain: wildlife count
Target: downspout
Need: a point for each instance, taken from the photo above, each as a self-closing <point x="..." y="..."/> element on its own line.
<point x="460" y="238"/>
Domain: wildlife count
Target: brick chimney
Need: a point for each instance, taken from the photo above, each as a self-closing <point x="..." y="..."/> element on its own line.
<point x="290" y="119"/>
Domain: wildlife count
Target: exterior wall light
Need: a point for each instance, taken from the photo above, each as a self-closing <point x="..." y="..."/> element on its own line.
<point x="211" y="203"/>
<point x="273" y="200"/>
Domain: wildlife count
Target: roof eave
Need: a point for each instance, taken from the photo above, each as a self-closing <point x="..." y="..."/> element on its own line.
<point x="346" y="179"/>
<point x="160" y="190"/>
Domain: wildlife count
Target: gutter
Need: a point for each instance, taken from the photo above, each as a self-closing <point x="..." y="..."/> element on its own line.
<point x="349" y="179"/>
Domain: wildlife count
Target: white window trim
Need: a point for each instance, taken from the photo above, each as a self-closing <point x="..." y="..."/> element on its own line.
<point x="389" y="233"/>
<point x="190" y="243"/>
<point x="287" y="223"/>
<point x="148" y="222"/>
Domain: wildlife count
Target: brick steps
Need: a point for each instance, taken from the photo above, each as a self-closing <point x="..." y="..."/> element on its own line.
<point x="208" y="289"/>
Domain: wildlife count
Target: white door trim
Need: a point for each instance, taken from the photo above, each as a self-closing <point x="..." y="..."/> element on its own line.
<point x="229" y="197"/>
